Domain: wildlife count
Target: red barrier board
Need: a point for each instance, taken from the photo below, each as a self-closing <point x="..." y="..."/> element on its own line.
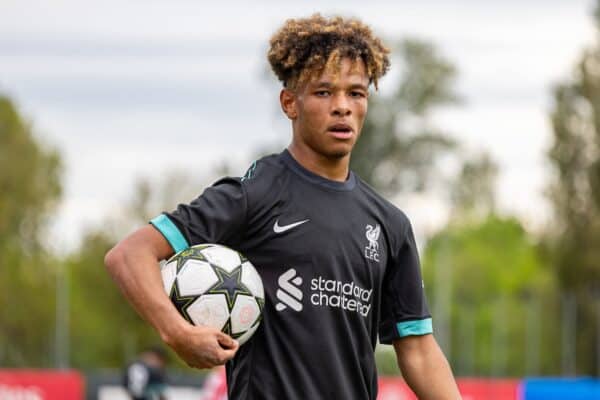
<point x="41" y="385"/>
<point x="470" y="389"/>
<point x="490" y="389"/>
<point x="394" y="389"/>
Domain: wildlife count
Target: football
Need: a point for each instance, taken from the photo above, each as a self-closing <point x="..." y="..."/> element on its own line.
<point x="216" y="286"/>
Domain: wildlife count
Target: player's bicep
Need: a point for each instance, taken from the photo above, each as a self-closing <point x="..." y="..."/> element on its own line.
<point x="150" y="239"/>
<point x="413" y="344"/>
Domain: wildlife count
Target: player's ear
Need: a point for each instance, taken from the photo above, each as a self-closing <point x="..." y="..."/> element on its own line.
<point x="287" y="99"/>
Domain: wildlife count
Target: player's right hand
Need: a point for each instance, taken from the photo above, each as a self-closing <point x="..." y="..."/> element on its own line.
<point x="202" y="346"/>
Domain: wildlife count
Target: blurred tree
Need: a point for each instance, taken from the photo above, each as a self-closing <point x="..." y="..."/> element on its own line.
<point x="386" y="360"/>
<point x="105" y="330"/>
<point x="573" y="241"/>
<point x="29" y="190"/>
<point x="399" y="145"/>
<point x="473" y="193"/>
<point x="498" y="298"/>
<point x="150" y="196"/>
<point x="472" y="201"/>
<point x="29" y="181"/>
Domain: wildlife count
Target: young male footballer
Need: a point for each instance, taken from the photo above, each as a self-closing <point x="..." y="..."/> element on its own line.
<point x="339" y="263"/>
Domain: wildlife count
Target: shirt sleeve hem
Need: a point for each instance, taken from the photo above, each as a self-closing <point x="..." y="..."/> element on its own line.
<point x="414" y="328"/>
<point x="170" y="231"/>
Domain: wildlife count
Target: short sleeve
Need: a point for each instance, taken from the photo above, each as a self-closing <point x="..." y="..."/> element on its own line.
<point x="404" y="310"/>
<point x="216" y="216"/>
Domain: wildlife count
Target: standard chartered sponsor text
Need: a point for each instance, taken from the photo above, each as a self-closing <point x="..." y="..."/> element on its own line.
<point x="337" y="294"/>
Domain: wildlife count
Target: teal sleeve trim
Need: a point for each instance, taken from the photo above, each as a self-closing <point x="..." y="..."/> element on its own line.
<point x="170" y="232"/>
<point x="418" y="327"/>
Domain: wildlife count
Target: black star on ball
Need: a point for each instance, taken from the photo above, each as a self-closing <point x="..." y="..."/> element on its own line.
<point x="230" y="284"/>
<point x="182" y="302"/>
<point x="193" y="253"/>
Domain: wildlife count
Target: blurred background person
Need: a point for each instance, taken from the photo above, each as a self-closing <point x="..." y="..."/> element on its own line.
<point x="144" y="378"/>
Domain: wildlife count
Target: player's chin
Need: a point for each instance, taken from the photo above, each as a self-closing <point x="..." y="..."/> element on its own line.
<point x="337" y="148"/>
<point x="340" y="150"/>
<point x="336" y="152"/>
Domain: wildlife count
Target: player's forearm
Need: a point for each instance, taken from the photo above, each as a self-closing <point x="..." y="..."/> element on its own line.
<point x="427" y="371"/>
<point x="135" y="270"/>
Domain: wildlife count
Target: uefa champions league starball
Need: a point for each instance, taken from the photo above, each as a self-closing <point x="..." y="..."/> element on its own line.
<point x="213" y="285"/>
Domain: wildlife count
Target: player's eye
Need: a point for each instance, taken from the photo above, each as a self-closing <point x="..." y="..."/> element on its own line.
<point x="357" y="94"/>
<point x="322" y="93"/>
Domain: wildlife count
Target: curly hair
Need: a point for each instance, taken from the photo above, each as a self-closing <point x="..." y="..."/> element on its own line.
<point x="303" y="48"/>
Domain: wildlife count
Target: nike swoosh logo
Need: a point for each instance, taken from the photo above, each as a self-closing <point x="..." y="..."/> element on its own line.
<point x="282" y="228"/>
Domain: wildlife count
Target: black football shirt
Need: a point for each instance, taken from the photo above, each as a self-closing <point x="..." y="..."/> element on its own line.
<point x="339" y="266"/>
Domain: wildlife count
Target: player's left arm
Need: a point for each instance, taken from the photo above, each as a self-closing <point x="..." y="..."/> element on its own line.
<point x="425" y="368"/>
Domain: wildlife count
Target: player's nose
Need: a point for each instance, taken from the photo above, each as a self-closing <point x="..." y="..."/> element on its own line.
<point x="341" y="105"/>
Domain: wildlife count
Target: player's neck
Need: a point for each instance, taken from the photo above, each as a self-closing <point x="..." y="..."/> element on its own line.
<point x="335" y="169"/>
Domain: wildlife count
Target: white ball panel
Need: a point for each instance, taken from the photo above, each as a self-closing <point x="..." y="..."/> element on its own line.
<point x="244" y="338"/>
<point x="169" y="273"/>
<point x="252" y="280"/>
<point x="244" y="313"/>
<point x="209" y="310"/>
<point x="222" y="256"/>
<point x="195" y="278"/>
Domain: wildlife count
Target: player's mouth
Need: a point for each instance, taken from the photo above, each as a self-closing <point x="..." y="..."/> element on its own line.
<point x="340" y="131"/>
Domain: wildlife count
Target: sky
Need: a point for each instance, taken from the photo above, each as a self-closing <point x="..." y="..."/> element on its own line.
<point x="136" y="89"/>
